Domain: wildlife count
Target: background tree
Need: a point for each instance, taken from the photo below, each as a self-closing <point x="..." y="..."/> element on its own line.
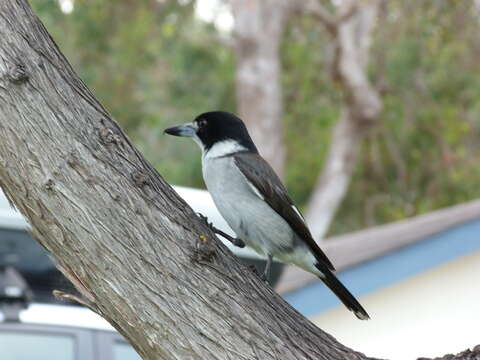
<point x="419" y="154"/>
<point x="258" y="32"/>
<point x="351" y="29"/>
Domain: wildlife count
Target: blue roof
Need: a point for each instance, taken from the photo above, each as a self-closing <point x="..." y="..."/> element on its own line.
<point x="391" y="268"/>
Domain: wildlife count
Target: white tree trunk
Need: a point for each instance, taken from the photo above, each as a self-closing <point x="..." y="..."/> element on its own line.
<point x="359" y="115"/>
<point x="258" y="30"/>
<point x="333" y="183"/>
<point x="135" y="251"/>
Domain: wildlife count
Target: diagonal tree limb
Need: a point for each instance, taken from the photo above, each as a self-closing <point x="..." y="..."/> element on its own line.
<point x="352" y="29"/>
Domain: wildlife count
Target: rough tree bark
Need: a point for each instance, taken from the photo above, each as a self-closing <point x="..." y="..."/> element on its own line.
<point x="258" y="30"/>
<point x="133" y="249"/>
<point x="351" y="31"/>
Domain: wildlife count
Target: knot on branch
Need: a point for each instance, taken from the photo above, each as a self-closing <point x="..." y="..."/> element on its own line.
<point x="73" y="159"/>
<point x="204" y="251"/>
<point x="109" y="136"/>
<point x="49" y="184"/>
<point x="17" y="73"/>
<point x="85" y="302"/>
<point x="140" y="179"/>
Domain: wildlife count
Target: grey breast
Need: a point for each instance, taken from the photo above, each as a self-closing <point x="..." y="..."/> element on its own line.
<point x="252" y="219"/>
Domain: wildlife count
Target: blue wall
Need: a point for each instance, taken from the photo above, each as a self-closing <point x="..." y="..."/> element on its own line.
<point x="391" y="268"/>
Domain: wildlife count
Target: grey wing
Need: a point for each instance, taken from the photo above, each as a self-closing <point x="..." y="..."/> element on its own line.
<point x="257" y="170"/>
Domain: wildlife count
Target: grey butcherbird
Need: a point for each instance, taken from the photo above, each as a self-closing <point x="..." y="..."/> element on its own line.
<point x="254" y="202"/>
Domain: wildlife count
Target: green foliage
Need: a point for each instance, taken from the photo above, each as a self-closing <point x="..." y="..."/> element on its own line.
<point x="311" y="105"/>
<point x="153" y="65"/>
<point x="425" y="155"/>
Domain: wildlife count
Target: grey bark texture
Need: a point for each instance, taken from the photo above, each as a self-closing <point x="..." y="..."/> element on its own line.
<point x="351" y="31"/>
<point x="131" y="246"/>
<point x="258" y="31"/>
<point x="473" y="354"/>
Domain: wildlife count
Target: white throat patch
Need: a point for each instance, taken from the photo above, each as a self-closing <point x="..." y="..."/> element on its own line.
<point x="223" y="148"/>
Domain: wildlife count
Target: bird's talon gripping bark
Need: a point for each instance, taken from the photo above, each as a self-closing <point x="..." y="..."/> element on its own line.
<point x="262" y="277"/>
<point x="205" y="220"/>
<point x="235" y="241"/>
<point x="253" y="269"/>
<point x="266" y="272"/>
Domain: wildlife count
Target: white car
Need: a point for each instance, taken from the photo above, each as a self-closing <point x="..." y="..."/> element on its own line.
<point x="51" y="330"/>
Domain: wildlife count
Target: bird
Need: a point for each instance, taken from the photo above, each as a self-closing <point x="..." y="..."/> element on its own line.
<point x="252" y="199"/>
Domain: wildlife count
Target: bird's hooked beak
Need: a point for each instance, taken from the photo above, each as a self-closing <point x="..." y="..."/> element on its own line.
<point x="188" y="130"/>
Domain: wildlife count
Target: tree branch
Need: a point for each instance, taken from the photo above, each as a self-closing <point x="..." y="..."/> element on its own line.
<point x="258" y="33"/>
<point x="360" y="111"/>
<point x="84" y="302"/>
<point x="325" y="17"/>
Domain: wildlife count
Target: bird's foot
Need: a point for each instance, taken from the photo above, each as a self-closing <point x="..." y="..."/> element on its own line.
<point x="235" y="241"/>
<point x="205" y="220"/>
<point x="253" y="269"/>
<point x="266" y="272"/>
<point x="263" y="277"/>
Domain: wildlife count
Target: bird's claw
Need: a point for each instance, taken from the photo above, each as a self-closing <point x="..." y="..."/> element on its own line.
<point x="235" y="241"/>
<point x="253" y="269"/>
<point x="205" y="220"/>
<point x="262" y="277"/>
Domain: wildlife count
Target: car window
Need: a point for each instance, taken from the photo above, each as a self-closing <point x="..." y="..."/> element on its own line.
<point x="21" y="346"/>
<point x="123" y="351"/>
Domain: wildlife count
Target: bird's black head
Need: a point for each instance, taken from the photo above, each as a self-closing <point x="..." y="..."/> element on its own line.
<point x="214" y="127"/>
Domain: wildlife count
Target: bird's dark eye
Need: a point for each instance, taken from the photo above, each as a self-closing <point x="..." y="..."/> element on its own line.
<point x="201" y="123"/>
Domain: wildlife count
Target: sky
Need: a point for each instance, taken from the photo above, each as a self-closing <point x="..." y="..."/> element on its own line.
<point x="216" y="12"/>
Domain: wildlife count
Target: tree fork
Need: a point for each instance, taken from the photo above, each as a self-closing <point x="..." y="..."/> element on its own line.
<point x="135" y="251"/>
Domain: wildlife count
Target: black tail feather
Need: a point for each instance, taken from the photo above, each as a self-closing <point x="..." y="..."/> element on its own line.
<point x="343" y="294"/>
